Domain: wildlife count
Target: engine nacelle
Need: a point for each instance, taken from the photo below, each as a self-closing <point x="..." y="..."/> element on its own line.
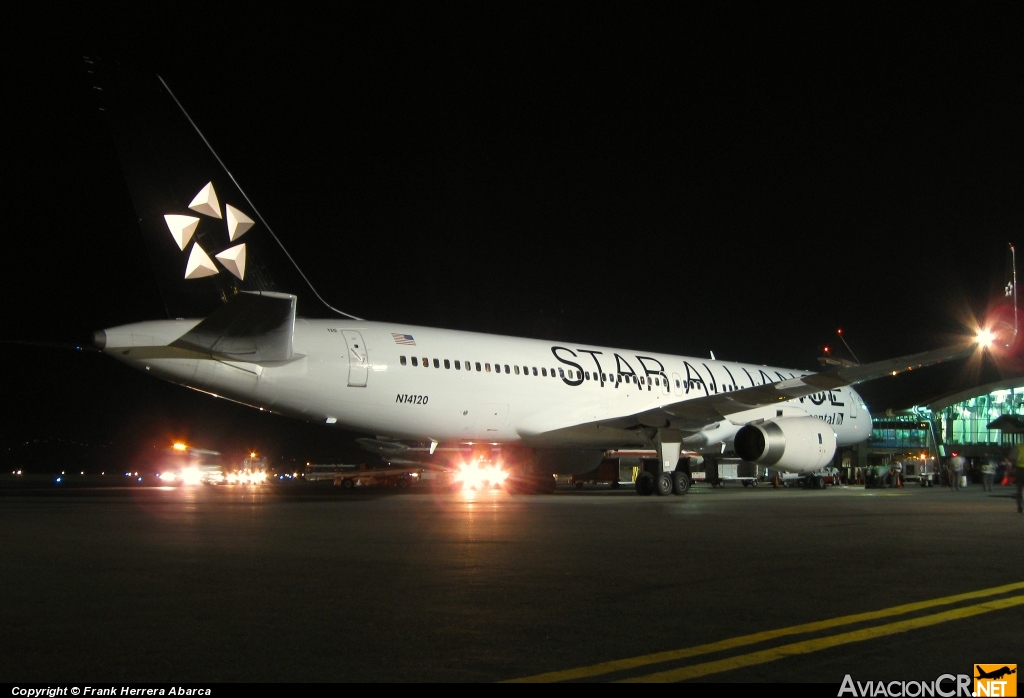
<point x="793" y="444"/>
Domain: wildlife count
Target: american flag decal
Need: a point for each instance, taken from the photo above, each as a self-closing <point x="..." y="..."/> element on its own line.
<point x="403" y="338"/>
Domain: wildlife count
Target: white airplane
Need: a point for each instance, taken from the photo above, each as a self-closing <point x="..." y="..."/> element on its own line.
<point x="249" y="327"/>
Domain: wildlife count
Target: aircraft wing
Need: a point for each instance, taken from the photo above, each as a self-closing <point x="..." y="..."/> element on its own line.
<point x="695" y="413"/>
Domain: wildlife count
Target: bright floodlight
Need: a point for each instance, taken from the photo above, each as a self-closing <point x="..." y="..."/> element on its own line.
<point x="985" y="337"/>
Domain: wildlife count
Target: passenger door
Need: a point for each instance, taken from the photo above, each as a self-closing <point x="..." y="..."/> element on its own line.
<point x="358" y="361"/>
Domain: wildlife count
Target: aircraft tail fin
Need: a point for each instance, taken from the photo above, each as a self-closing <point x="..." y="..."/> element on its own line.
<point x="206" y="240"/>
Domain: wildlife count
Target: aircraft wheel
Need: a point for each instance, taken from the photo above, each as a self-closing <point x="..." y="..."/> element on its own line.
<point x="753" y="483"/>
<point x="680" y="482"/>
<point x="347" y="483"/>
<point x="663" y="484"/>
<point x="578" y="484"/>
<point x="645" y="484"/>
<point x="820" y="483"/>
<point x="746" y="483"/>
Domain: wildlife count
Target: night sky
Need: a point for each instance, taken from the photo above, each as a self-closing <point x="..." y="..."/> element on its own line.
<point x="744" y="184"/>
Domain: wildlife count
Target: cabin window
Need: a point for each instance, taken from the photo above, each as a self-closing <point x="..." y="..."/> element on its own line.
<point x="535" y="370"/>
<point x="517" y="370"/>
<point x="437" y="363"/>
<point x="487" y="368"/>
<point x="458" y="365"/>
<point x="447" y="364"/>
<point x="506" y="369"/>
<point x="586" y="374"/>
<point x="426" y="362"/>
<point x="401" y="360"/>
<point x="478" y="366"/>
<point x="544" y="371"/>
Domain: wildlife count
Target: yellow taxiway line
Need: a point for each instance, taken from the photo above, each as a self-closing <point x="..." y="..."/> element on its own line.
<point x="763" y="656"/>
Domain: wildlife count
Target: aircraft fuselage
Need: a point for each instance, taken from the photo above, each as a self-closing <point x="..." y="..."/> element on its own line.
<point x="409" y="382"/>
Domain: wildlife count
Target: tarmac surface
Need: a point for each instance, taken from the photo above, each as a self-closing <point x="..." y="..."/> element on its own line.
<point x="307" y="583"/>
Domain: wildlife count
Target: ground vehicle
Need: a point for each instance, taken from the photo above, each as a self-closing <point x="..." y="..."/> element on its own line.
<point x="377" y="477"/>
<point x="876" y="476"/>
<point x="717" y="472"/>
<point x="351" y="476"/>
<point x="922" y="470"/>
<point x="610" y="472"/>
<point x="818" y="480"/>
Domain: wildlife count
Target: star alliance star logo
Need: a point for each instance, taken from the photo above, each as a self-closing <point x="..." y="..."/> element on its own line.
<point x="183" y="228"/>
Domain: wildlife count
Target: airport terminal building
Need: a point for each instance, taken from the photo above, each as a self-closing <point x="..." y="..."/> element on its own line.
<point x="980" y="423"/>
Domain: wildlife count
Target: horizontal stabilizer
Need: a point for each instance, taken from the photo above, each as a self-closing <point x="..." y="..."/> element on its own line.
<point x="253" y="327"/>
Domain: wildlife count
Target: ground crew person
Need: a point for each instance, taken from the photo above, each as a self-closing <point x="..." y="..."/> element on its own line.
<point x="956" y="469"/>
<point x="1018" y="476"/>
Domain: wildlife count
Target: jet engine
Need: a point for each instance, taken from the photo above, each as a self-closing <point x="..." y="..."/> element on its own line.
<point x="794" y="444"/>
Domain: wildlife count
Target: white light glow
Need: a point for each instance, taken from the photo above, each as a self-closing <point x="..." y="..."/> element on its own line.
<point x="476" y="476"/>
<point x="985" y="337"/>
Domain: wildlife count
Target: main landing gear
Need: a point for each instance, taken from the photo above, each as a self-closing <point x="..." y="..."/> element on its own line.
<point x="662" y="483"/>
